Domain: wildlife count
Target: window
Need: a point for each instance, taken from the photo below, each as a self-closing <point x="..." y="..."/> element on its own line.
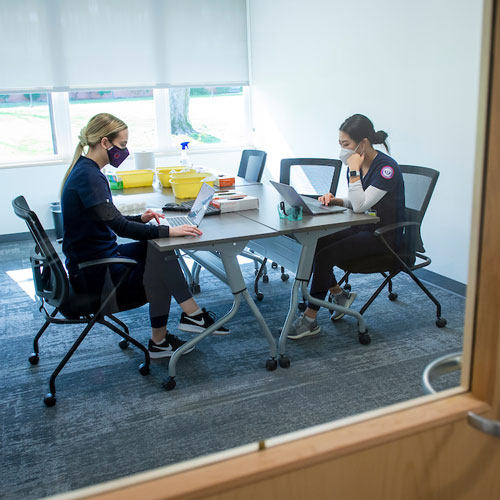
<point x="25" y="128"/>
<point x="208" y="116"/>
<point x="43" y="127"/>
<point x="135" y="107"/>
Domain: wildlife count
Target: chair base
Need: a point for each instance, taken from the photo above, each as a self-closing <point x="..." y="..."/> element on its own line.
<point x="50" y="397"/>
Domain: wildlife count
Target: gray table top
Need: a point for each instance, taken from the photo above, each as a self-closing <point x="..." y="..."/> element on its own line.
<point x="239" y="226"/>
<point x="268" y="215"/>
<point x="217" y="229"/>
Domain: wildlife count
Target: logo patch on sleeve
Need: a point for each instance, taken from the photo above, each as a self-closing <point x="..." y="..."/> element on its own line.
<point x="387" y="172"/>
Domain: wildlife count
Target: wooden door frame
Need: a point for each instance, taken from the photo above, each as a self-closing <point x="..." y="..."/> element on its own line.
<point x="249" y="470"/>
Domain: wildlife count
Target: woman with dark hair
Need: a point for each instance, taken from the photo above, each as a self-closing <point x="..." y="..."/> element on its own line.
<point x="375" y="184"/>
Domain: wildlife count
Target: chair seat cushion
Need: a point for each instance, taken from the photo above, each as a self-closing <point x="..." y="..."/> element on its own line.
<point x="376" y="264"/>
<point x="79" y="304"/>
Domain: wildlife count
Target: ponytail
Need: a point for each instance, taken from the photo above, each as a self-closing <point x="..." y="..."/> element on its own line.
<point x="380" y="137"/>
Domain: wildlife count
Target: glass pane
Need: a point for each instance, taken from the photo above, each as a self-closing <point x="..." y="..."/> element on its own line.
<point x="135" y="107"/>
<point x="208" y="116"/>
<point x="25" y="129"/>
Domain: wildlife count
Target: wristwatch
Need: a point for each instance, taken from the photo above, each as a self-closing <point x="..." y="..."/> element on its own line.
<point x="354" y="173"/>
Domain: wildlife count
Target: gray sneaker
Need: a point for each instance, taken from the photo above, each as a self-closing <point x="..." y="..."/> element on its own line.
<point x="344" y="299"/>
<point x="301" y="327"/>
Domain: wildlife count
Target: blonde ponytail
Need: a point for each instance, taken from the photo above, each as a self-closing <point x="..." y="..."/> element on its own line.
<point x="99" y="126"/>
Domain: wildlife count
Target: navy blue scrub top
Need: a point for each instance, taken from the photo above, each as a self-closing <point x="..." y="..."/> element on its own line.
<point x="85" y="237"/>
<point x="385" y="174"/>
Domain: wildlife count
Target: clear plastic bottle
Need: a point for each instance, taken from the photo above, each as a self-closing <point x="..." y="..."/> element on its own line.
<point x="184" y="155"/>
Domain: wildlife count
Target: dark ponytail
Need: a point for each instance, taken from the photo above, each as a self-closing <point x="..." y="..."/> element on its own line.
<point x="360" y="127"/>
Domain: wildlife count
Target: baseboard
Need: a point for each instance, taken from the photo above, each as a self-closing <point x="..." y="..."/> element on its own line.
<point x="7" y="238"/>
<point x="442" y="281"/>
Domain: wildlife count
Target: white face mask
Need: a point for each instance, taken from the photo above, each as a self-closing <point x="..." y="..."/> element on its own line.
<point x="345" y="154"/>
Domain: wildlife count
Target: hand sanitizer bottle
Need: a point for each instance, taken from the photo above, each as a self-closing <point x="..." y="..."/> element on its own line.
<point x="184" y="155"/>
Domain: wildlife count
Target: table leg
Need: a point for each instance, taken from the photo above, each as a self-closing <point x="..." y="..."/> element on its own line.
<point x="229" y="254"/>
<point x="308" y="241"/>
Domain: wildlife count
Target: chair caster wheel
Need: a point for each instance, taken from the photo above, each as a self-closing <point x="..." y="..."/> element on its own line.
<point x="302" y="306"/>
<point x="347" y="287"/>
<point x="34" y="359"/>
<point x="284" y="277"/>
<point x="123" y="344"/>
<point x="274" y="265"/>
<point x="364" y="338"/>
<point x="144" y="369"/>
<point x="265" y="278"/>
<point x="284" y="362"/>
<point x="271" y="364"/>
<point x="440" y="322"/>
<point x="259" y="296"/>
<point x="393" y="296"/>
<point x="195" y="288"/>
<point x="169" y="384"/>
<point x="49" y="399"/>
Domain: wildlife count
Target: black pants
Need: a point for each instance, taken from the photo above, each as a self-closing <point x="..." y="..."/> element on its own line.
<point x="155" y="279"/>
<point x="339" y="249"/>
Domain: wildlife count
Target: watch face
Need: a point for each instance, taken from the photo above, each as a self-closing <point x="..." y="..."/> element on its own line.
<point x="354" y="173"/>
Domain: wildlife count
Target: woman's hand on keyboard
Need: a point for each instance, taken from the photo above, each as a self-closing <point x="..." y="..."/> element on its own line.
<point x="184" y="230"/>
<point x="150" y="215"/>
<point x="326" y="199"/>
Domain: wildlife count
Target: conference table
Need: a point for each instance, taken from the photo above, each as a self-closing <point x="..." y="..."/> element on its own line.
<point x="289" y="243"/>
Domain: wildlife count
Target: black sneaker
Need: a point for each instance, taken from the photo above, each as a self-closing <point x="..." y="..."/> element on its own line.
<point x="167" y="347"/>
<point x="197" y="324"/>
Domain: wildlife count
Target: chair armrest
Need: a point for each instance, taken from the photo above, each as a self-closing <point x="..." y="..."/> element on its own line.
<point x="391" y="227"/>
<point x="111" y="260"/>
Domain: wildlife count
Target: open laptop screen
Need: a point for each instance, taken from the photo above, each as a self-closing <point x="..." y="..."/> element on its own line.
<point x="201" y="203"/>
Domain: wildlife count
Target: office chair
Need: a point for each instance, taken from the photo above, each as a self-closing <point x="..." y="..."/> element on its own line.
<point x="252" y="164"/>
<point x="311" y="177"/>
<point x="52" y="287"/>
<point x="251" y="168"/>
<point x="419" y="186"/>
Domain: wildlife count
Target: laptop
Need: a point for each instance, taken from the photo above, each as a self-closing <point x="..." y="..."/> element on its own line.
<point x="309" y="206"/>
<point x="198" y="210"/>
<point x="186" y="206"/>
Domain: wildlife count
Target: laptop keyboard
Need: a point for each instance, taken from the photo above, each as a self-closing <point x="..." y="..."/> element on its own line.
<point x="178" y="221"/>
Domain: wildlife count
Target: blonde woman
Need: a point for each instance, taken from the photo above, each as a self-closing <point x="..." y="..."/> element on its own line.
<point x="92" y="224"/>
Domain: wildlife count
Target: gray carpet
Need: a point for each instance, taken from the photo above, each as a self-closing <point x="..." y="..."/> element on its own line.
<point x="110" y="421"/>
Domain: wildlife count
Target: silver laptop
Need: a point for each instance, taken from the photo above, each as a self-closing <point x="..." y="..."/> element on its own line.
<point x="198" y="210"/>
<point x="309" y="206"/>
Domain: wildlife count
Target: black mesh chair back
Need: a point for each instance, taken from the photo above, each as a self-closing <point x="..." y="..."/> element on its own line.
<point x="252" y="164"/>
<point x="311" y="176"/>
<point x="49" y="276"/>
<point x="419" y="185"/>
<point x="52" y="287"/>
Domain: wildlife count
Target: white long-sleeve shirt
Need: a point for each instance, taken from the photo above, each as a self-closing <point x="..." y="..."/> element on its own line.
<point x="360" y="200"/>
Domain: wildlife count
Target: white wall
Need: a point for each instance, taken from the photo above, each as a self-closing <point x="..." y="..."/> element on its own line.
<point x="40" y="185"/>
<point x="412" y="67"/>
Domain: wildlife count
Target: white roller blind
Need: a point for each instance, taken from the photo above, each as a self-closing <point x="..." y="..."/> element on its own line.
<point x="77" y="44"/>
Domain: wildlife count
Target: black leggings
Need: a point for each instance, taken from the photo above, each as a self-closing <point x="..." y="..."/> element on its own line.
<point x="155" y="279"/>
<point x="339" y="249"/>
